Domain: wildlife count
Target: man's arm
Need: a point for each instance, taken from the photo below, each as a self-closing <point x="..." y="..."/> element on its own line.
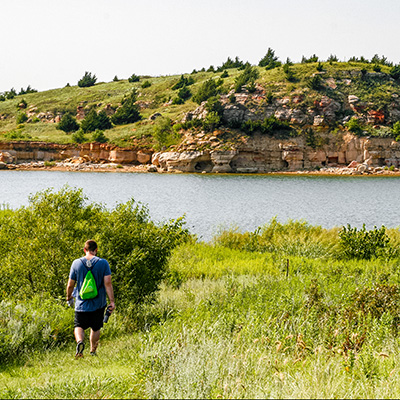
<point x="70" y="288"/>
<point x="110" y="291"/>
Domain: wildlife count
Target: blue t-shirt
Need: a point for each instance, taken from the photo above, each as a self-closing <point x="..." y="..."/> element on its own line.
<point x="100" y="269"/>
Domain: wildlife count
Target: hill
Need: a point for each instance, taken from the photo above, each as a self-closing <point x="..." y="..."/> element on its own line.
<point x="321" y="113"/>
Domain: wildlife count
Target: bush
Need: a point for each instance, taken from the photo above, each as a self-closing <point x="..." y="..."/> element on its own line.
<point x="183" y="81"/>
<point x="68" y="123"/>
<point x="115" y="79"/>
<point x="224" y="74"/>
<point x="136" y="248"/>
<point x="395" y="72"/>
<point x="362" y="244"/>
<point x="229" y="64"/>
<point x="95" y="121"/>
<point x="22" y="104"/>
<point x="269" y="61"/>
<point x="128" y="113"/>
<point x="355" y="126"/>
<point x="184" y="93"/>
<point x="163" y="132"/>
<point x="87" y="80"/>
<point x="208" y="89"/>
<point x="269" y="126"/>
<point x="248" y="76"/>
<point x="214" y="105"/>
<point x="21" y="118"/>
<point x="314" y="82"/>
<point x="99" y="136"/>
<point x="146" y="84"/>
<point x="78" y="136"/>
<point x="289" y="74"/>
<point x="133" y="78"/>
<point x="211" y="121"/>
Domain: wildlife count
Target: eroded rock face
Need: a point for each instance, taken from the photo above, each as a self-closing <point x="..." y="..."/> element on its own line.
<point x="257" y="154"/>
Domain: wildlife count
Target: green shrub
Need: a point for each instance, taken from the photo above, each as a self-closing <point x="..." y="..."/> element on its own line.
<point x="133" y="78"/>
<point x="22" y="104"/>
<point x="163" y="133"/>
<point x="248" y="76"/>
<point x="136" y="248"/>
<point x="312" y="59"/>
<point x="115" y="79"/>
<point x="68" y="123"/>
<point x="78" y="136"/>
<point x="214" y="104"/>
<point x="212" y="121"/>
<point x="363" y="244"/>
<point x="21" y="118"/>
<point x="99" y="136"/>
<point x="268" y="126"/>
<point x="184" y="93"/>
<point x="87" y="80"/>
<point x="320" y="67"/>
<point x="224" y="74"/>
<point x="95" y="121"/>
<point x="314" y="82"/>
<point x="183" y="82"/>
<point x="128" y="113"/>
<point x="354" y="126"/>
<point x="395" y="72"/>
<point x="146" y="84"/>
<point x="377" y="68"/>
<point x="289" y="74"/>
<point x="269" y="61"/>
<point x="229" y="64"/>
<point x="208" y="89"/>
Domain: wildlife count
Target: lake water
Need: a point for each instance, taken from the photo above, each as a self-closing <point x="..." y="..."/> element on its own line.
<point x="213" y="201"/>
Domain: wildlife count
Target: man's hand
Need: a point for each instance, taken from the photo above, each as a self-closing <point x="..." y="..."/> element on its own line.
<point x="70" y="302"/>
<point x="111" y="306"/>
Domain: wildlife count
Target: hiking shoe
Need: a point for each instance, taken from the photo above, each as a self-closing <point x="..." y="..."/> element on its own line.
<point x="79" y="350"/>
<point x="93" y="353"/>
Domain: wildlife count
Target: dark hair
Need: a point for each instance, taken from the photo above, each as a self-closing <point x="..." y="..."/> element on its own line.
<point x="90" y="245"/>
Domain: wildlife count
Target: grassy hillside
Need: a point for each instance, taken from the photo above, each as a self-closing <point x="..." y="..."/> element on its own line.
<point x="375" y="89"/>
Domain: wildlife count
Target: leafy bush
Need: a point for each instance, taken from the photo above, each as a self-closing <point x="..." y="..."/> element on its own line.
<point x="355" y="126"/>
<point x="214" y="104"/>
<point x="184" y="93"/>
<point x="78" y="136"/>
<point x="211" y="121"/>
<point x="68" y="123"/>
<point x="363" y="244"/>
<point x="136" y="248"/>
<point x="163" y="132"/>
<point x="21" y="118"/>
<point x="289" y="74"/>
<point x="95" y="121"/>
<point x="395" y="72"/>
<point x="248" y="76"/>
<point x="224" y="74"/>
<point x="146" y="84"/>
<point x="87" y="80"/>
<point x="128" y="113"/>
<point x="268" y="126"/>
<point x="314" y="82"/>
<point x="22" y="104"/>
<point x="99" y="136"/>
<point x="183" y="82"/>
<point x="133" y="78"/>
<point x="208" y="89"/>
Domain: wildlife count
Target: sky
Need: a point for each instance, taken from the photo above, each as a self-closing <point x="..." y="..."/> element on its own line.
<point x="49" y="43"/>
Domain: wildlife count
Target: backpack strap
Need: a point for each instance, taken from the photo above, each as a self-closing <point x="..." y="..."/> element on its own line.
<point x="83" y="258"/>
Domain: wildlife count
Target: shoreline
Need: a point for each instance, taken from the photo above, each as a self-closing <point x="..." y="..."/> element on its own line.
<point x="149" y="168"/>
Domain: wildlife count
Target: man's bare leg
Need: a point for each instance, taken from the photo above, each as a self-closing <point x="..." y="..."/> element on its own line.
<point x="94" y="340"/>
<point x="79" y="337"/>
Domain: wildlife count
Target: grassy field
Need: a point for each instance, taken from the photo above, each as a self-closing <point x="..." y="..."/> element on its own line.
<point x="237" y="319"/>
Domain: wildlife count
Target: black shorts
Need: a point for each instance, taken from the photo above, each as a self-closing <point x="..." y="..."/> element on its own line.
<point x="89" y="319"/>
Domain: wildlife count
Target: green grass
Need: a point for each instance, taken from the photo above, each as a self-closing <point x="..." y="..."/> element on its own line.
<point x="234" y="322"/>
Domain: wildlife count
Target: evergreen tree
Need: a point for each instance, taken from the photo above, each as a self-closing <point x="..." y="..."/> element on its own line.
<point x="68" y="123"/>
<point x="87" y="80"/>
<point x="128" y="113"/>
<point x="269" y="61"/>
<point x="103" y="122"/>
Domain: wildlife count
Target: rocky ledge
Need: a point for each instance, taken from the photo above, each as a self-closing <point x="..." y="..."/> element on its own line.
<point x="255" y="154"/>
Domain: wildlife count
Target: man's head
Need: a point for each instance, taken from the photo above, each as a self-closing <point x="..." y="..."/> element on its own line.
<point x="90" y="246"/>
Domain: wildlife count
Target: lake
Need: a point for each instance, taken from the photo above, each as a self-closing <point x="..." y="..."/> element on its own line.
<point x="210" y="202"/>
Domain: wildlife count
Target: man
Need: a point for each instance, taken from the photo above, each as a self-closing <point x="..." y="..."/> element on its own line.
<point x="90" y="313"/>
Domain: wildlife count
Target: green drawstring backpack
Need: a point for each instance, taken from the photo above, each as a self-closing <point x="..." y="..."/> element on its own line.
<point x="89" y="287"/>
